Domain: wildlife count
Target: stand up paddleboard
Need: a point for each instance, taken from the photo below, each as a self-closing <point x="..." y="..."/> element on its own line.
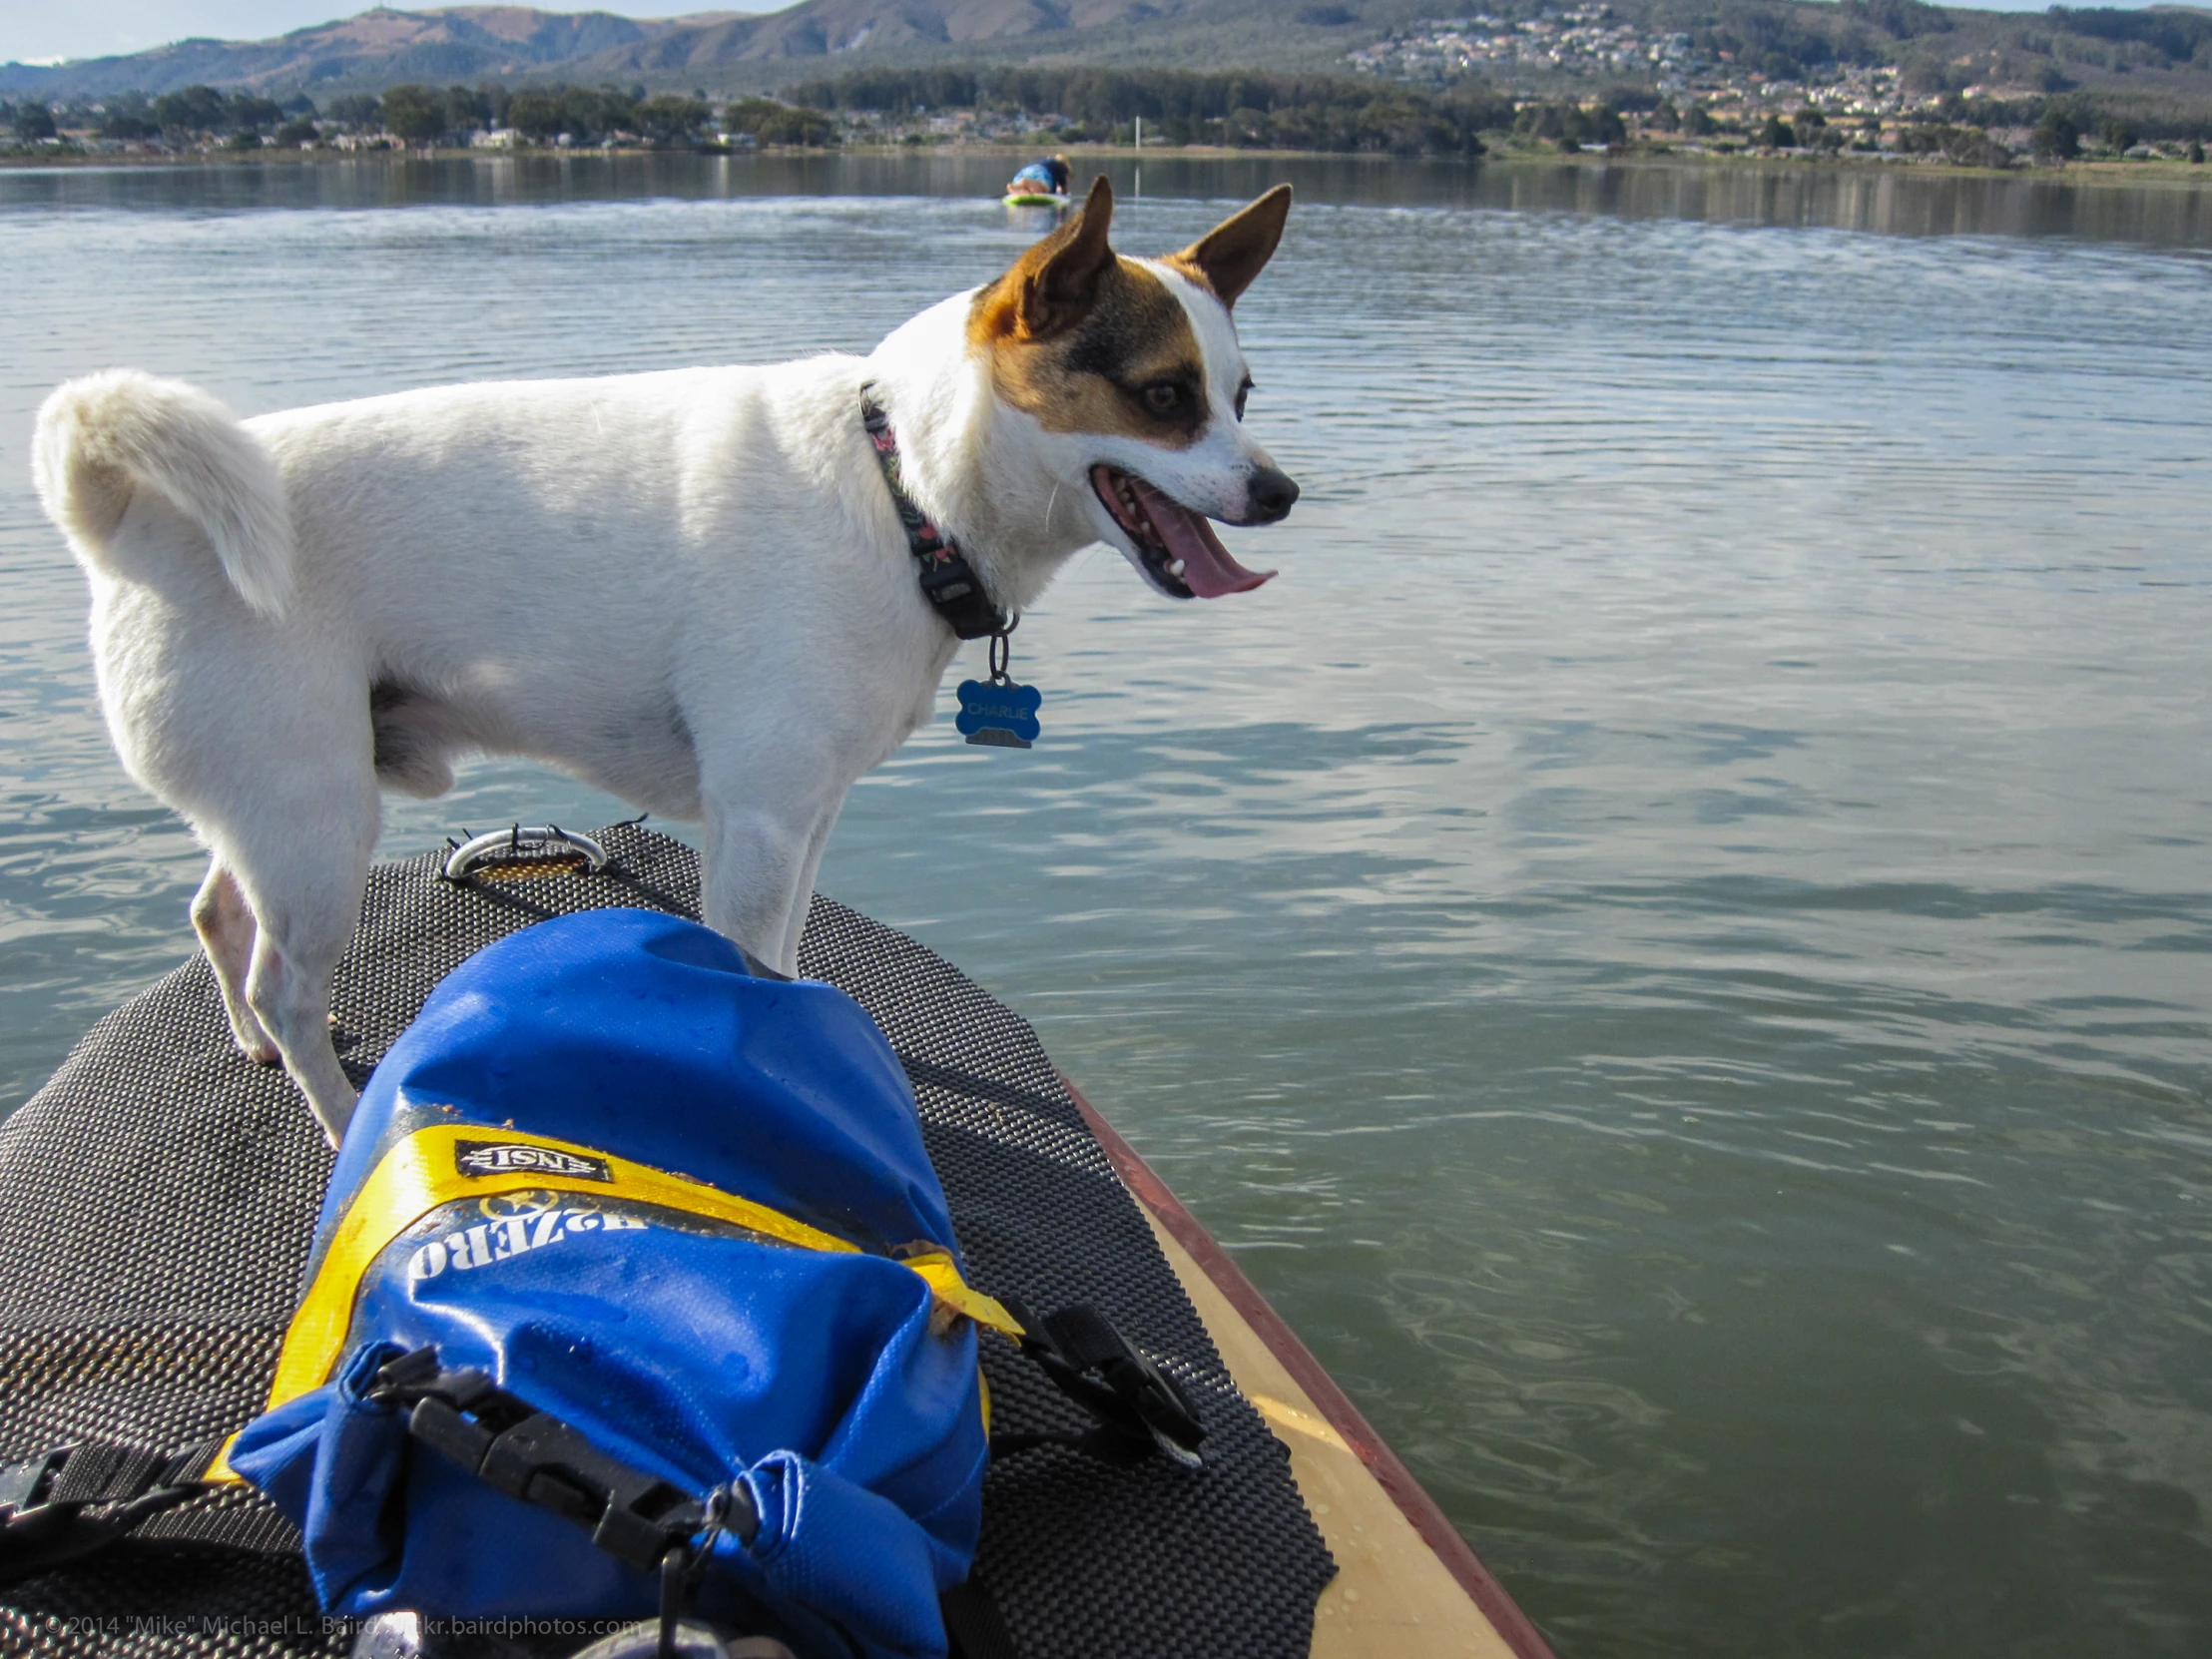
<point x="161" y="1191"/>
<point x="1030" y="198"/>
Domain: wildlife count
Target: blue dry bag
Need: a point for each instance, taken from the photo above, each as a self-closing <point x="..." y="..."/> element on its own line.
<point x="626" y="1235"/>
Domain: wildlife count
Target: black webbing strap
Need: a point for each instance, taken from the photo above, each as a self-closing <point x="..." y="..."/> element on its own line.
<point x="73" y="1499"/>
<point x="973" y="1624"/>
<point x="949" y="581"/>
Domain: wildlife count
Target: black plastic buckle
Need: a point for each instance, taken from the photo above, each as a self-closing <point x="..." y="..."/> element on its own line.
<point x="1139" y="1408"/>
<point x="956" y="593"/>
<point x="24" y="1486"/>
<point x="635" y="1516"/>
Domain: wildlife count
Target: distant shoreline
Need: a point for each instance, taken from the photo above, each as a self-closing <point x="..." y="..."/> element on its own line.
<point x="2157" y="172"/>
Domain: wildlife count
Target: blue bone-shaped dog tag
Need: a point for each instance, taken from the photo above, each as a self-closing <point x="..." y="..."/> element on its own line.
<point x="999" y="712"/>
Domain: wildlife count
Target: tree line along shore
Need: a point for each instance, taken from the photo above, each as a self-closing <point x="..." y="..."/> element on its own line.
<point x="1047" y="108"/>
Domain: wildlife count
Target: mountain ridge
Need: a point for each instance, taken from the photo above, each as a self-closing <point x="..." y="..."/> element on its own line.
<point x="722" y="53"/>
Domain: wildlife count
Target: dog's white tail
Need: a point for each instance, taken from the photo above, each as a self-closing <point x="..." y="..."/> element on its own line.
<point x="100" y="438"/>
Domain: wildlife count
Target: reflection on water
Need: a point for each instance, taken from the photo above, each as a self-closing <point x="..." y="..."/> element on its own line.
<point x="1674" y="941"/>
<point x="1889" y="200"/>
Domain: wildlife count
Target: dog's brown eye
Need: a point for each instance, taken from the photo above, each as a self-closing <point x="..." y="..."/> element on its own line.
<point x="1163" y="397"/>
<point x="1243" y="391"/>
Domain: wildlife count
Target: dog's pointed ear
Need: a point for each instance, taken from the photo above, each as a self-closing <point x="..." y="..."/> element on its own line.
<point x="1234" y="252"/>
<point x="1059" y="278"/>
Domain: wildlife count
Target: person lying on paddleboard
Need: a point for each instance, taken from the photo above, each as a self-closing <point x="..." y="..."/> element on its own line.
<point x="1045" y="178"/>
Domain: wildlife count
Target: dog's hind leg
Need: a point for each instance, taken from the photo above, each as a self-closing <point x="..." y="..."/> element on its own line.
<point x="298" y="847"/>
<point x="306" y="908"/>
<point x="225" y="924"/>
<point x="259" y="731"/>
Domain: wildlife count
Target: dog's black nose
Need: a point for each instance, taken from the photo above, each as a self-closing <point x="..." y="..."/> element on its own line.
<point x="1272" y="495"/>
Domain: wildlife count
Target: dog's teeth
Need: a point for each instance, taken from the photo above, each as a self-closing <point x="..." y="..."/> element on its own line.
<point x="1140" y="522"/>
<point x="1175" y="569"/>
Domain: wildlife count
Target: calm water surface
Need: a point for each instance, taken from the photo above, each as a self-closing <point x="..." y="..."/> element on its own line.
<point x="1675" y="942"/>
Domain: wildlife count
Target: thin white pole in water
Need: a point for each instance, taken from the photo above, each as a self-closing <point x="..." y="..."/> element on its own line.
<point x="1140" y="133"/>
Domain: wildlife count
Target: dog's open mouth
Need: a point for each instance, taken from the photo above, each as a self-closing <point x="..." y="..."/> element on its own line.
<point x="1179" y="548"/>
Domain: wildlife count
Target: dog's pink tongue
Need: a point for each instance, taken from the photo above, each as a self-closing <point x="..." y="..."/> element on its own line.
<point x="1208" y="570"/>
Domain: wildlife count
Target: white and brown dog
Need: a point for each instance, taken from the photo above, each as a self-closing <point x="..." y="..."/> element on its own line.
<point x="692" y="589"/>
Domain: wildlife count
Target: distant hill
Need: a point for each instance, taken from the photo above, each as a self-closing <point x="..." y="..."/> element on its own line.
<point x="377" y="48"/>
<point x="2163" y="53"/>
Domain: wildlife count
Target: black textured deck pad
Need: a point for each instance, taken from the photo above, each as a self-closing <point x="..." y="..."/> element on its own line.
<point x="160" y="1196"/>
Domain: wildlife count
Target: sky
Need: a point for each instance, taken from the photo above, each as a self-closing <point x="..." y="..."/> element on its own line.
<point x="35" y="30"/>
<point x="32" y="30"/>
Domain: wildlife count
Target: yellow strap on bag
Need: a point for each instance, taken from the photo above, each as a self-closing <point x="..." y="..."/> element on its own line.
<point x="432" y="1168"/>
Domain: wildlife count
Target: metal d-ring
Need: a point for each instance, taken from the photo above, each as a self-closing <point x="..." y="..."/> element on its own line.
<point x="1003" y="651"/>
<point x="519" y="843"/>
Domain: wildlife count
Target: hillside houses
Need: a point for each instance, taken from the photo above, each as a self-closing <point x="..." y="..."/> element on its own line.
<point x="1592" y="45"/>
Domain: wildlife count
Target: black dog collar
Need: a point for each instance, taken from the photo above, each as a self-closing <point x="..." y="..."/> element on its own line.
<point x="949" y="581"/>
